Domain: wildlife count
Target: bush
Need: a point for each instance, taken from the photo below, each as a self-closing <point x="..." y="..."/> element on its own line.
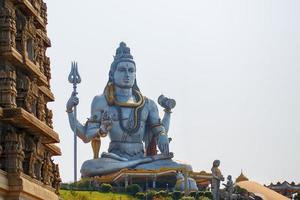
<point x="204" y="198"/>
<point x="104" y="187"/>
<point x="163" y="193"/>
<point x="188" y="198"/>
<point x="64" y="186"/>
<point x="176" y="195"/>
<point x="200" y="193"/>
<point x="193" y="194"/>
<point x="150" y="194"/>
<point x="83" y="184"/>
<point x="133" y="189"/>
<point x="297" y="197"/>
<point x="140" y="195"/>
<point x="208" y="194"/>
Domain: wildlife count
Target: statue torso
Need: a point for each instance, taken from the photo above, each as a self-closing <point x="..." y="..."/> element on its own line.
<point x="123" y="143"/>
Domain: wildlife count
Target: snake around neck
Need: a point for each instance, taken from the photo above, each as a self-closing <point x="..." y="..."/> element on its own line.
<point x="136" y="106"/>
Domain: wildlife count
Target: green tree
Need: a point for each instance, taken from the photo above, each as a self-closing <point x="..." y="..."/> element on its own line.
<point x="133" y="189"/>
<point x="105" y="187"/>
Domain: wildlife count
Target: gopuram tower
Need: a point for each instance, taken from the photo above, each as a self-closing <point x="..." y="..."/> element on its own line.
<point x="27" y="138"/>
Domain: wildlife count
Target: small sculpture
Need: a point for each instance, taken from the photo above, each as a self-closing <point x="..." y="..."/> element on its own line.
<point x="217" y="177"/>
<point x="180" y="185"/>
<point x="130" y="119"/>
<point x="229" y="187"/>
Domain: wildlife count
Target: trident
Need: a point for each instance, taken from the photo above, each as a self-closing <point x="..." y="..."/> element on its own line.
<point x="75" y="79"/>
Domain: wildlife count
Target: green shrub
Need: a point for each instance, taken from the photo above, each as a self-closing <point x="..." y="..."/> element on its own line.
<point x="64" y="186"/>
<point x="176" y="195"/>
<point x="193" y="194"/>
<point x="140" y="195"/>
<point x="150" y="194"/>
<point x="204" y="198"/>
<point x="297" y="197"/>
<point x="188" y="198"/>
<point x="133" y="189"/>
<point x="208" y="194"/>
<point x="163" y="193"/>
<point x="105" y="187"/>
<point x="83" y="184"/>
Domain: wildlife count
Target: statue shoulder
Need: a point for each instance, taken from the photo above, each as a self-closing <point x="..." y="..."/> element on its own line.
<point x="99" y="102"/>
<point x="150" y="104"/>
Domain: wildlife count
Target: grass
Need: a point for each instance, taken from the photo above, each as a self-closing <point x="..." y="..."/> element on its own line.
<point x="92" y="195"/>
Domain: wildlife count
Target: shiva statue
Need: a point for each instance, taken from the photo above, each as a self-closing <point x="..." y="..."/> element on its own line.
<point x="217" y="177"/>
<point x="131" y="121"/>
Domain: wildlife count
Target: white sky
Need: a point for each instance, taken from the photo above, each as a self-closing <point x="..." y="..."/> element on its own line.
<point x="233" y="67"/>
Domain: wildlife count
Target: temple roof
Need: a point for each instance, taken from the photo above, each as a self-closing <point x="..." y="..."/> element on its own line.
<point x="241" y="178"/>
<point x="261" y="191"/>
<point x="284" y="185"/>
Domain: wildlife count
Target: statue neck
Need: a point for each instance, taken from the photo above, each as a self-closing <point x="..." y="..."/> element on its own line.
<point x="123" y="94"/>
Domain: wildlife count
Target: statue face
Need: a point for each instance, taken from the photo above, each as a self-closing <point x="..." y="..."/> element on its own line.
<point x="124" y="76"/>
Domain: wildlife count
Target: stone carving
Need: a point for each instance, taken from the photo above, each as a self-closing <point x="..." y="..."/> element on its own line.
<point x="13" y="150"/>
<point x="46" y="169"/>
<point x="7" y="28"/>
<point x="131" y="120"/>
<point x="217" y="177"/>
<point x="44" y="12"/>
<point x="47" y="71"/>
<point x="28" y="94"/>
<point x="7" y="85"/>
<point x="49" y="116"/>
<point x="57" y="180"/>
<point x="40" y="110"/>
<point x="30" y="156"/>
<point x="21" y="34"/>
<point x="23" y="38"/>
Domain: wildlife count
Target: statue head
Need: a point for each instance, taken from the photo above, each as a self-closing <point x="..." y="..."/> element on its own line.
<point x="216" y="163"/>
<point x="229" y="178"/>
<point x="122" y="71"/>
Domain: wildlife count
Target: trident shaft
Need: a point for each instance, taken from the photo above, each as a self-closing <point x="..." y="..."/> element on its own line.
<point x="75" y="79"/>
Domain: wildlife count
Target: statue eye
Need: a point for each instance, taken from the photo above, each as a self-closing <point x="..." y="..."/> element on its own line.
<point x="121" y="69"/>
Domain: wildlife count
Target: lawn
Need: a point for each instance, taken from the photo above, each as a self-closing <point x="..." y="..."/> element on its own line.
<point x="87" y="195"/>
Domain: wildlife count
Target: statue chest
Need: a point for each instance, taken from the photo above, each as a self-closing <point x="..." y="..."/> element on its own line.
<point x="127" y="114"/>
<point x="128" y="126"/>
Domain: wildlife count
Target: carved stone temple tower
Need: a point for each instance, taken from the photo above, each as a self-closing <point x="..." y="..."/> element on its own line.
<point x="27" y="138"/>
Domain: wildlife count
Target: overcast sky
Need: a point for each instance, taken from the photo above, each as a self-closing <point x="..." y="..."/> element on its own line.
<point x="233" y="67"/>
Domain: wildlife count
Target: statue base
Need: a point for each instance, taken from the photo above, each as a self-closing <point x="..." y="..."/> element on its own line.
<point x="161" y="169"/>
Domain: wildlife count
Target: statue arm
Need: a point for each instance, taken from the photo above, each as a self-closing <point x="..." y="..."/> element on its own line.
<point x="80" y="129"/>
<point x="93" y="125"/>
<point x="88" y="131"/>
<point x="158" y="129"/>
<point x="166" y="120"/>
<point x="156" y="125"/>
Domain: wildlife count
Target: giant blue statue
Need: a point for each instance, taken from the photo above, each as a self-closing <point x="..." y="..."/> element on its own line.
<point x="131" y="121"/>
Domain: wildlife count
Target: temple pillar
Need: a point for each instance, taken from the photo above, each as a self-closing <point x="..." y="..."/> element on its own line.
<point x="186" y="193"/>
<point x="126" y="181"/>
<point x="154" y="182"/>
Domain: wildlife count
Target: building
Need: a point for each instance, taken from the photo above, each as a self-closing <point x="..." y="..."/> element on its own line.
<point x="285" y="188"/>
<point x="241" y="178"/>
<point x="163" y="178"/>
<point x="27" y="138"/>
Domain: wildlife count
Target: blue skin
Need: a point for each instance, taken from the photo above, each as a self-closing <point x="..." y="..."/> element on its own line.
<point x="122" y="144"/>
